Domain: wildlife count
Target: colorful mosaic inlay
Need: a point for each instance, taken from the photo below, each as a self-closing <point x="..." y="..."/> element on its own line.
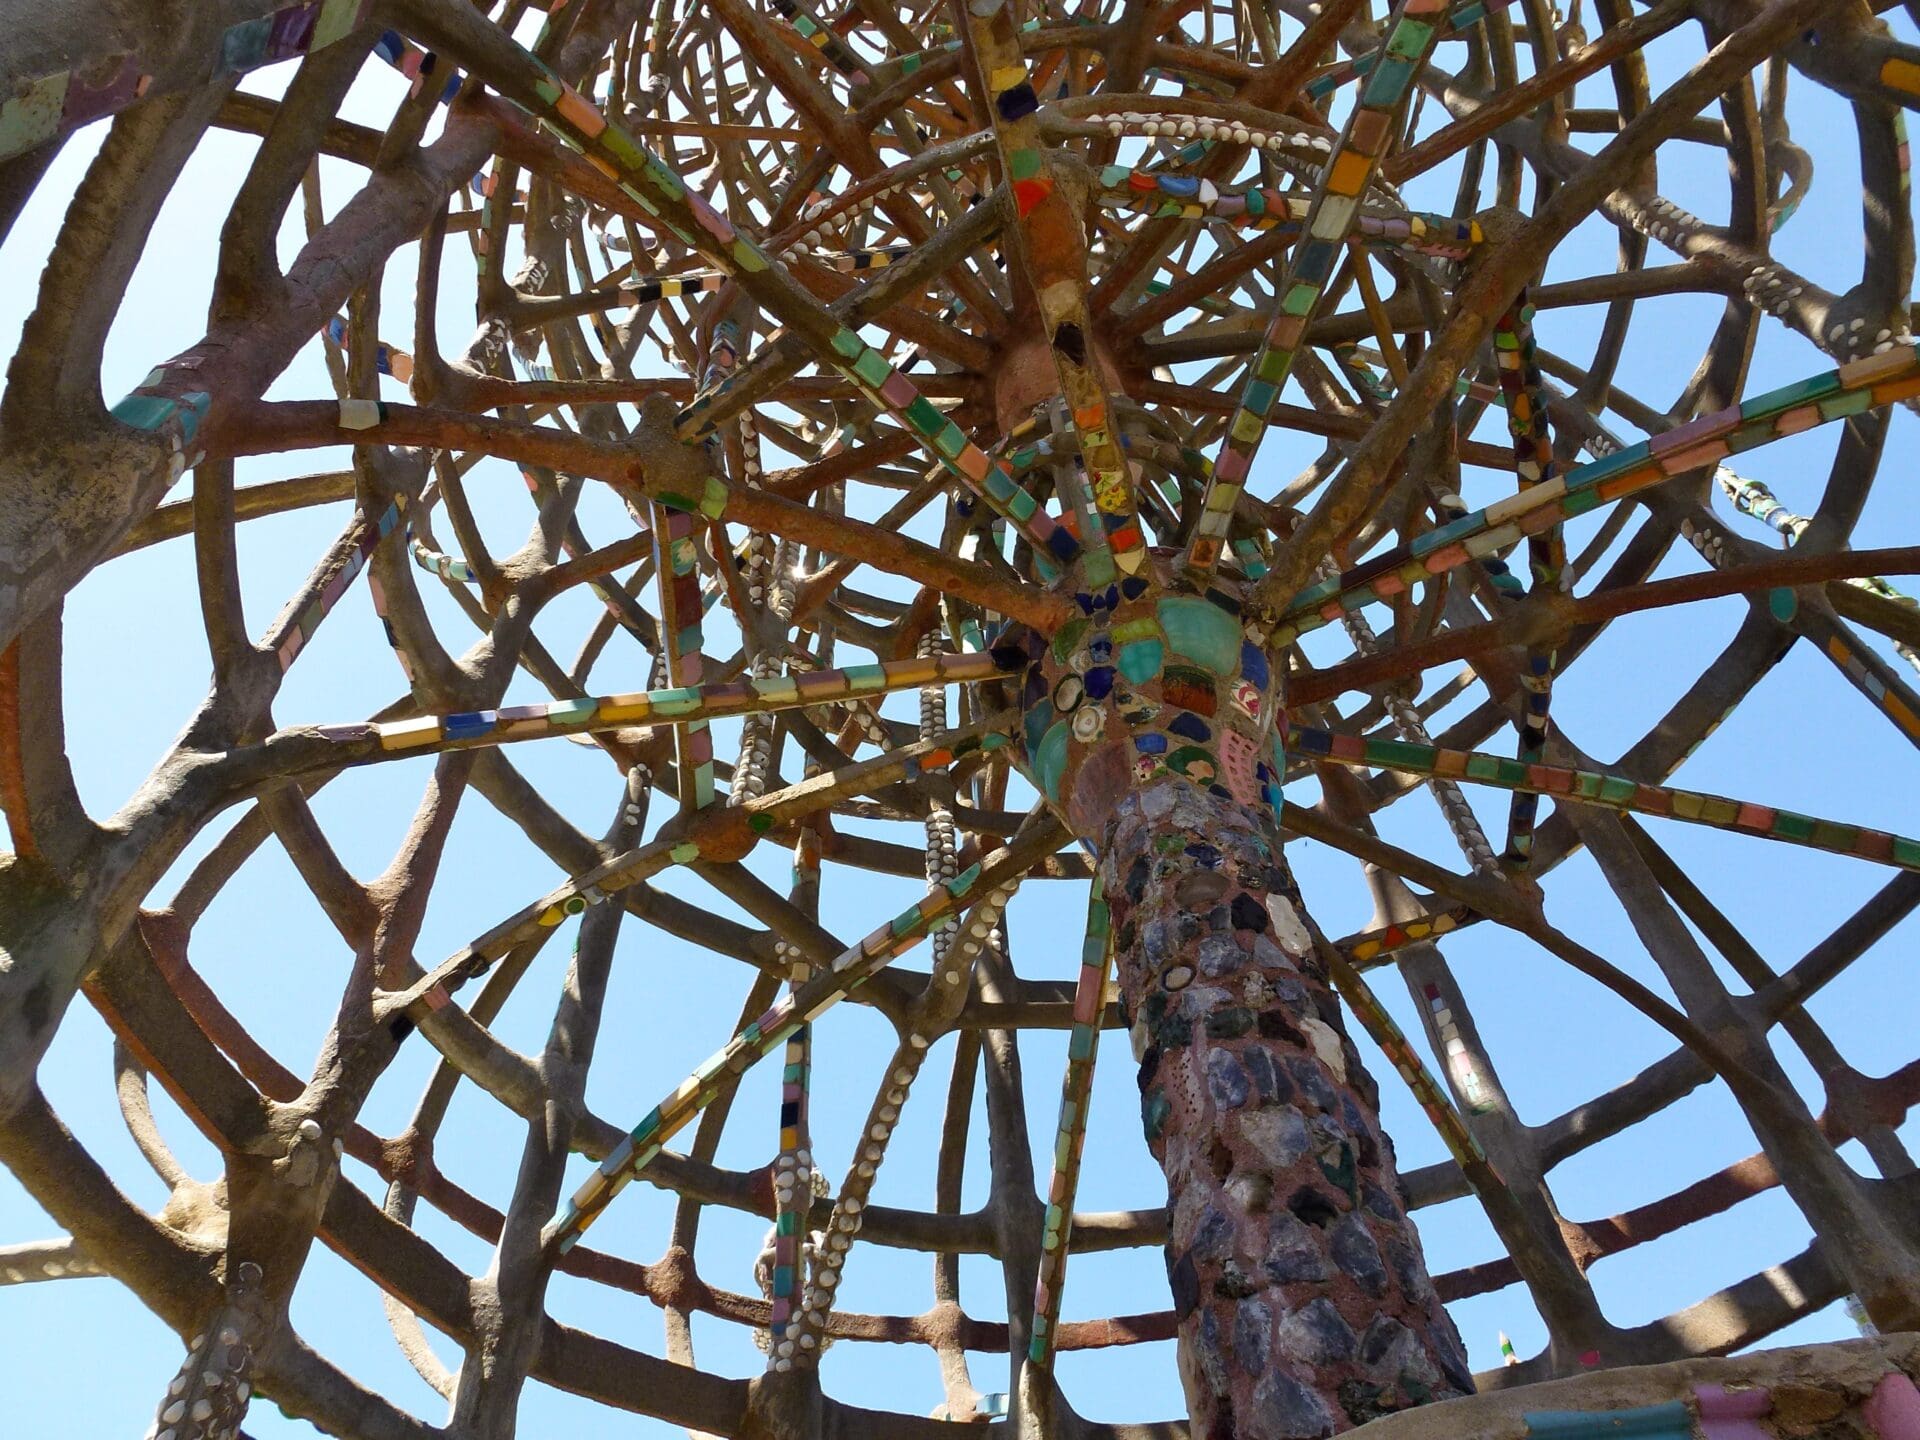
<point x="1070" y="1133"/>
<point x="793" y="1165"/>
<point x="988" y="478"/>
<point x="649" y="183"/>
<point x="1860" y="385"/>
<point x="838" y="53"/>
<point x="1140" y="686"/>
<point x="387" y="359"/>
<point x="346" y="568"/>
<point x="1375" y="947"/>
<point x="54" y="104"/>
<point x="1166" y="195"/>
<point x="1615" y="792"/>
<point x="1460" y="19"/>
<point x="1411" y="33"/>
<point x="1413" y="1071"/>
<point x="852" y="968"/>
<point x="676" y="569"/>
<point x="1053" y="253"/>
<point x="1525" y="393"/>
<point x="679" y="705"/>
<point x="715" y="835"/>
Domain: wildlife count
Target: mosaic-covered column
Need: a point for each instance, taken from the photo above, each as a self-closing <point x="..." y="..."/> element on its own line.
<point x="1304" y="1305"/>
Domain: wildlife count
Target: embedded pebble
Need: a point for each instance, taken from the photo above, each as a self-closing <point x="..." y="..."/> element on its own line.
<point x="1284" y="1409"/>
<point x="1221" y="955"/>
<point x="1269" y="1080"/>
<point x="1355" y="1252"/>
<point x="1316" y="1333"/>
<point x="1280" y="1136"/>
<point x="1252" y="1320"/>
<point x="1326" y="1044"/>
<point x="1226" y="1080"/>
<point x="1287" y="927"/>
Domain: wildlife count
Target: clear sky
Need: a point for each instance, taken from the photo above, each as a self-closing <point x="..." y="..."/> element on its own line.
<point x="137" y="665"/>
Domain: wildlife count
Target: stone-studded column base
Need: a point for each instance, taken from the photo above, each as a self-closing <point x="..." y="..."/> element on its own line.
<point x="1304" y="1306"/>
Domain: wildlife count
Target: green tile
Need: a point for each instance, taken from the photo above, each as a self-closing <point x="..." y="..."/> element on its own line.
<point x="1830" y="835"/>
<point x="925" y="416"/>
<point x="1400" y="755"/>
<point x="1409" y="39"/>
<point x="1794" y="827"/>
<point x="1788" y="396"/>
<point x="872" y="367"/>
<point x="145" y="412"/>
<point x="1849" y="402"/>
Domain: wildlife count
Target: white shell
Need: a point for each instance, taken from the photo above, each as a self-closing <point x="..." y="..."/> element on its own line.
<point x="1288" y="929"/>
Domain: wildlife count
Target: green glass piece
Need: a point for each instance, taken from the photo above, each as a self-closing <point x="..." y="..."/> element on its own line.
<point x="925" y="416"/>
<point x="1140" y="660"/>
<point x="872" y="367"/>
<point x="145" y="412"/>
<point x="1050" y="758"/>
<point x="1772" y="402"/>
<point x="1201" y="631"/>
<point x="1794" y="827"/>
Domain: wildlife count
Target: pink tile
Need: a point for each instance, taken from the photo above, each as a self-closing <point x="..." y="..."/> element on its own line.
<point x="1893" y="1410"/>
<point x="1694" y="431"/>
<point x="1706" y="453"/>
<point x="1792" y="422"/>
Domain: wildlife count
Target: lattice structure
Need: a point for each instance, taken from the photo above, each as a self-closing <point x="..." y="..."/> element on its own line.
<point x="1090" y="374"/>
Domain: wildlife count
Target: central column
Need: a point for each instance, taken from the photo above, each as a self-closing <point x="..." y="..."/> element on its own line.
<point x="1304" y="1305"/>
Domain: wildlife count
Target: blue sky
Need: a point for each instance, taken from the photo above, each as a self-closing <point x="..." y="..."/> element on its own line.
<point x="137" y="666"/>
